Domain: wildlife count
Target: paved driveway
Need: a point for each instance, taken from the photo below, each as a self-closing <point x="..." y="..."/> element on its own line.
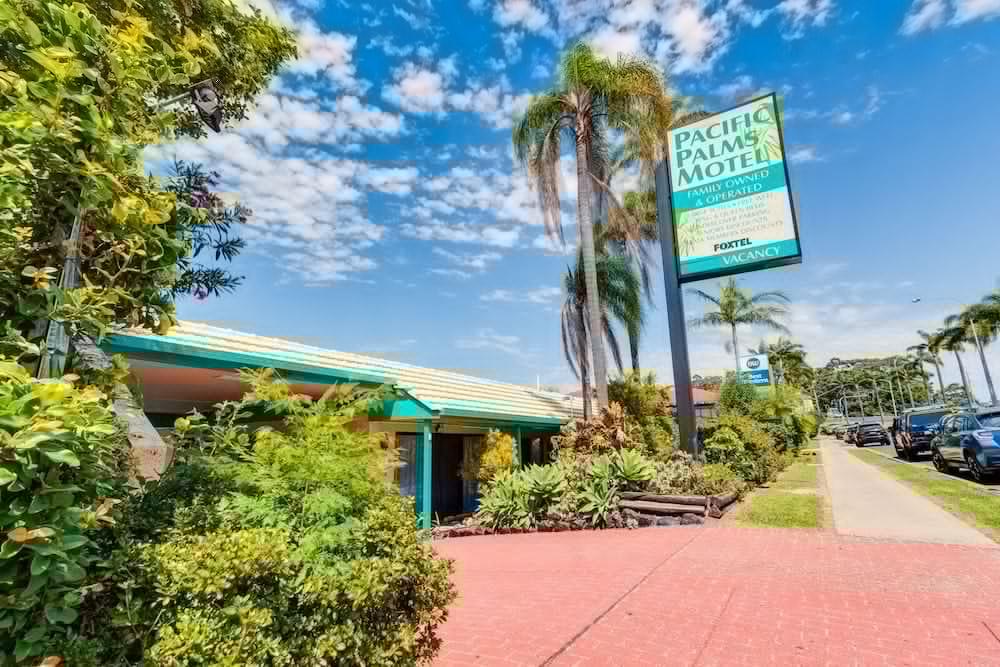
<point x="720" y="596"/>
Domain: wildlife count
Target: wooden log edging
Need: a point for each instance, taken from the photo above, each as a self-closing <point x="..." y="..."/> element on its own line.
<point x="652" y="503"/>
<point x="654" y="507"/>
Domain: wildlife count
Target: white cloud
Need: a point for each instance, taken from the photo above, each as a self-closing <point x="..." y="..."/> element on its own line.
<point x="541" y="295"/>
<point x="739" y="88"/>
<point x="452" y="273"/>
<point x="972" y="10"/>
<point x="924" y="15"/>
<point x="488" y="339"/>
<point x="418" y="89"/>
<point x="484" y="153"/>
<point x="520" y="13"/>
<point x="800" y="154"/>
<point x="801" y="14"/>
<point x="613" y="42"/>
<point x="329" y="54"/>
<point x="693" y="39"/>
<point x="475" y="262"/>
<point x="462" y="232"/>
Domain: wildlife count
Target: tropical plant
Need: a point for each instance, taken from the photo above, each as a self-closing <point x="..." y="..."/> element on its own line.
<point x="735" y="306"/>
<point x="64" y="468"/>
<point x="592" y="97"/>
<point x="931" y="347"/>
<point x="737" y="398"/>
<point x="631" y="469"/>
<point x="976" y="325"/>
<point x="598" y="499"/>
<point x="953" y="340"/>
<point x="207" y="224"/>
<point x="788" y="356"/>
<point x="649" y="404"/>
<point x="621" y="299"/>
<point x="610" y="430"/>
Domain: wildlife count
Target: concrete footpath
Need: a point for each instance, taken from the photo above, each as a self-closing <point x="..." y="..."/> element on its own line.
<point x="868" y="503"/>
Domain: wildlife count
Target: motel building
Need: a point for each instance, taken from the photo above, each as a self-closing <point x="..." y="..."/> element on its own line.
<point x="434" y="417"/>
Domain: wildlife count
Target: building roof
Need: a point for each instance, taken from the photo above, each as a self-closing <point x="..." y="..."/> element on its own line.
<point x="445" y="393"/>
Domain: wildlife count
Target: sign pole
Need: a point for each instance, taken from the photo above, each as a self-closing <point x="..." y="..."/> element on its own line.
<point x="675" y="313"/>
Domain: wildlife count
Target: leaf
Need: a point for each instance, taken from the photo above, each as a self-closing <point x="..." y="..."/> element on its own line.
<point x="24" y="536"/>
<point x="38" y="504"/>
<point x="71" y="542"/>
<point x="39" y="564"/>
<point x="64" y="456"/>
<point x="52" y="661"/>
<point x="6" y="477"/>
<point x="32" y="31"/>
<point x="9" y="549"/>
<point x="64" y="615"/>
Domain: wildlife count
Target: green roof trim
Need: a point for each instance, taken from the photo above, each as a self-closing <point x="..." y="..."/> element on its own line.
<point x="181" y="352"/>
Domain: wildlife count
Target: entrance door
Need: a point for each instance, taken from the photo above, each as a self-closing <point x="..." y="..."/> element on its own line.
<point x="446" y="487"/>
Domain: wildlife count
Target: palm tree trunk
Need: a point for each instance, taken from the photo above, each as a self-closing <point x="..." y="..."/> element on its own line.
<point x="736" y="353"/>
<point x="585" y="224"/>
<point x="937" y="366"/>
<point x="633" y="345"/>
<point x="588" y="409"/>
<point x="986" y="367"/>
<point x="927" y="386"/>
<point x="965" y="380"/>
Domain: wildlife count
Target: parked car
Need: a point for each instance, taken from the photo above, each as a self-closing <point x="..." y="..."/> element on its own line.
<point x="912" y="431"/>
<point x="970" y="440"/>
<point x="868" y="433"/>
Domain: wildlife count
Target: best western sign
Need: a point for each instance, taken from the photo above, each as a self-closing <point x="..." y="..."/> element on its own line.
<point x="755" y="370"/>
<point x="732" y="207"/>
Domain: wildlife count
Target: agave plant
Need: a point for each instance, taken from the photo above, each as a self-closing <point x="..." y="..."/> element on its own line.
<point x="631" y="469"/>
<point x="598" y="498"/>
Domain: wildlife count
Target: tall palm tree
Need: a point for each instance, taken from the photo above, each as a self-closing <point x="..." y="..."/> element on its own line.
<point x="618" y="285"/>
<point x="975" y="325"/>
<point x="931" y="345"/>
<point x="953" y="340"/>
<point x="735" y="306"/>
<point x="592" y="96"/>
<point x="787" y="355"/>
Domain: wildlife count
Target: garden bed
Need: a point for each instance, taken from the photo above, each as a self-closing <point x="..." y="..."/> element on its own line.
<point x="689" y="518"/>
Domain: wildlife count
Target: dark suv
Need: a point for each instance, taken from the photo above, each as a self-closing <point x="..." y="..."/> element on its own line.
<point x="868" y="433"/>
<point x="969" y="440"/>
<point x="912" y="431"/>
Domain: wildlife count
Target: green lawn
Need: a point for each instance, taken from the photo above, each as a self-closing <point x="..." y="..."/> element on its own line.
<point x="789" y="502"/>
<point x="959" y="497"/>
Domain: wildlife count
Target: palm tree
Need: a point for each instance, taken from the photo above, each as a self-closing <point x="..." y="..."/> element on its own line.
<point x="953" y="340"/>
<point x="621" y="299"/>
<point x="592" y="96"/>
<point x="976" y="325"/>
<point x="736" y="306"/>
<point x="932" y="347"/>
<point x="787" y="355"/>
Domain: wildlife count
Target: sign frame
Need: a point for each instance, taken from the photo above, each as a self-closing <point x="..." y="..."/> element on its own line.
<point x="756" y="266"/>
<point x="747" y="376"/>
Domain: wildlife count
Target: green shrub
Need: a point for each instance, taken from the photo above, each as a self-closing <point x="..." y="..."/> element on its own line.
<point x="725" y="447"/>
<point x="720" y="479"/>
<point x="521" y="498"/>
<point x="649" y="405"/>
<point x="682" y="475"/>
<point x="737" y="398"/>
<point x="64" y="459"/>
<point x="292" y="551"/>
<point x="494" y="454"/>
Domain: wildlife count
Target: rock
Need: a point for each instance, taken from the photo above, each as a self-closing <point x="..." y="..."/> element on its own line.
<point x="691" y="520"/>
<point x="644" y="519"/>
<point x="667" y="521"/>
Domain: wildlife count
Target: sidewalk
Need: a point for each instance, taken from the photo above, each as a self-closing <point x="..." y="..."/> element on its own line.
<point x="713" y="596"/>
<point x="868" y="503"/>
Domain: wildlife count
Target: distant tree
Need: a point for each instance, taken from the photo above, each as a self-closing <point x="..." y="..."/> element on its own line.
<point x="735" y="306"/>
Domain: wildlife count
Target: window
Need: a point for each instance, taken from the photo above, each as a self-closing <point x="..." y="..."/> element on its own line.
<point x="407" y="465"/>
<point x="990" y="420"/>
<point x="926" y="419"/>
<point x="969" y="423"/>
<point x="948" y="425"/>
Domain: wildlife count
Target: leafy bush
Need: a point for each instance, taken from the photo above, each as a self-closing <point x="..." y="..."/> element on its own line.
<point x="737" y="398"/>
<point x="277" y="548"/>
<point x="611" y="429"/>
<point x="521" y="498"/>
<point x="649" y="404"/>
<point x="757" y="460"/>
<point x="64" y="462"/>
<point x="493" y="455"/>
<point x="682" y="475"/>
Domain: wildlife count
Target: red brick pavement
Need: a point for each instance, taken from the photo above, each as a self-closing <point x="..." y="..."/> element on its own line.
<point x="719" y="596"/>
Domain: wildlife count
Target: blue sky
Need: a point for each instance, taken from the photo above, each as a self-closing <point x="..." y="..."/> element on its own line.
<point x="391" y="219"/>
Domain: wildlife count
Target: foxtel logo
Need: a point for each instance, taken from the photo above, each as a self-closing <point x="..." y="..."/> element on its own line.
<point x="729" y="245"/>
